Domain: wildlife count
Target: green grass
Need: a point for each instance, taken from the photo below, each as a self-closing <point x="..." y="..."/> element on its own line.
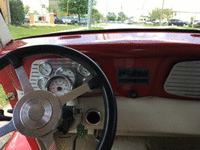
<point x="172" y="28"/>
<point x="3" y="101"/>
<point x="95" y="28"/>
<point x="103" y="24"/>
<point x="183" y="28"/>
<point x="150" y="25"/>
<point x="190" y="28"/>
<point x="20" y="32"/>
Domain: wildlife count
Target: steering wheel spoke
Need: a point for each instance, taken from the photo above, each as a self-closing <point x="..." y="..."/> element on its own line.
<point x="7" y="128"/>
<point x="86" y="87"/>
<point x="48" y="141"/>
<point x="23" y="79"/>
<point x="74" y="93"/>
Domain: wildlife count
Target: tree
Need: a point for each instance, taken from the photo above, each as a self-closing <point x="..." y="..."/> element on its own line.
<point x="111" y="16"/>
<point x="51" y="9"/>
<point x="192" y="19"/>
<point x="95" y="14"/>
<point x="26" y="9"/>
<point x="155" y="14"/>
<point x="62" y="13"/>
<point x="121" y="16"/>
<point x="167" y="14"/>
<point x="78" y="7"/>
<point x="35" y="12"/>
<point x="17" y="11"/>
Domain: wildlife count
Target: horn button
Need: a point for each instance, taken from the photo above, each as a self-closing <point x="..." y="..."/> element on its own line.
<point x="36" y="113"/>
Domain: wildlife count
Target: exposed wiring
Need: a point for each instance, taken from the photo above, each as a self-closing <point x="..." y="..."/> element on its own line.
<point x="74" y="143"/>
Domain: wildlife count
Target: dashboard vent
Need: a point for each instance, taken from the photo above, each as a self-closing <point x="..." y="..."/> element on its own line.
<point x="184" y="79"/>
<point x="134" y="76"/>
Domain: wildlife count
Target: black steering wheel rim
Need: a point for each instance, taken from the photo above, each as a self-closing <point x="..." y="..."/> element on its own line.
<point x="15" y="58"/>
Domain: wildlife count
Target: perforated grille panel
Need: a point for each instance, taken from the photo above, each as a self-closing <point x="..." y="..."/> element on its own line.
<point x="184" y="79"/>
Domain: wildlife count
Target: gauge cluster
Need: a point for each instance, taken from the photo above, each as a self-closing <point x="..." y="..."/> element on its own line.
<point x="57" y="75"/>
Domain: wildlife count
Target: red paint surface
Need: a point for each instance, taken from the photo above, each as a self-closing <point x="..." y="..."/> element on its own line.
<point x="113" y="51"/>
<point x="20" y="142"/>
<point x="157" y="51"/>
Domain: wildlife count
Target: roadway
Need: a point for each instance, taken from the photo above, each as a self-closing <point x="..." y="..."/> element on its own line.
<point x="132" y="26"/>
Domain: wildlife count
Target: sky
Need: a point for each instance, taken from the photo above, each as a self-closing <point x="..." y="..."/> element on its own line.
<point x="132" y="7"/>
<point x="143" y="7"/>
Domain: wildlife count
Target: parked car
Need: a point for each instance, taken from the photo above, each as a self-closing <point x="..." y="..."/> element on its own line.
<point x="83" y="21"/>
<point x="128" y="21"/>
<point x="149" y="22"/>
<point x="195" y="21"/>
<point x="67" y="19"/>
<point x="75" y="20"/>
<point x="185" y="23"/>
<point x="197" y="24"/>
<point x="58" y="20"/>
<point x="156" y="22"/>
<point x="26" y="20"/>
<point x="176" y="22"/>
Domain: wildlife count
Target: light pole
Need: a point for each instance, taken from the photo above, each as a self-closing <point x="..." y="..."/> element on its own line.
<point x="106" y="11"/>
<point x="161" y="14"/>
<point x="67" y="10"/>
<point x="41" y="7"/>
<point x="122" y="14"/>
<point x="89" y="15"/>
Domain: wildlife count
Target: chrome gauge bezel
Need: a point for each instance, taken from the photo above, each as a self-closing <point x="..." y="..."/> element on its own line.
<point x="66" y="75"/>
<point x="57" y="76"/>
<point x="41" y="78"/>
<point x="83" y="74"/>
<point x="49" y="72"/>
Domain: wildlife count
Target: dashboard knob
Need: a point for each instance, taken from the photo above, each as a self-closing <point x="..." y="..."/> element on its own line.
<point x="133" y="94"/>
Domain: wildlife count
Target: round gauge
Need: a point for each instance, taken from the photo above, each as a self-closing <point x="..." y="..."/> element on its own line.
<point x="42" y="83"/>
<point x="59" y="85"/>
<point x="67" y="72"/>
<point x="45" y="68"/>
<point x="83" y="71"/>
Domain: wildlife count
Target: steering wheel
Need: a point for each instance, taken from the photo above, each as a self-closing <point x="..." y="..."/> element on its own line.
<point x="29" y="121"/>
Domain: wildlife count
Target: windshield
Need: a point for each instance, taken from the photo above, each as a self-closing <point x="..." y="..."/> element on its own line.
<point x="29" y="18"/>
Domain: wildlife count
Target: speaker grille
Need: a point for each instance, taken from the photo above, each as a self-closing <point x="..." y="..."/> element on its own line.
<point x="184" y="79"/>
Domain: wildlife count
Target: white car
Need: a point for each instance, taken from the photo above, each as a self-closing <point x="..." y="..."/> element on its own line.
<point x="128" y="21"/>
<point x="67" y="20"/>
<point x="149" y="22"/>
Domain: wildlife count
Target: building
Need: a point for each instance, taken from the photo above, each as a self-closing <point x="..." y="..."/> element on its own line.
<point x="5" y="10"/>
<point x="186" y="15"/>
<point x="39" y="6"/>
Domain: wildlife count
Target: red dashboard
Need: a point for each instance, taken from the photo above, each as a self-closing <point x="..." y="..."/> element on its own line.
<point x="157" y="51"/>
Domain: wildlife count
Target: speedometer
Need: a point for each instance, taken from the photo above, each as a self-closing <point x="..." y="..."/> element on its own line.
<point x="67" y="72"/>
<point x="59" y="85"/>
